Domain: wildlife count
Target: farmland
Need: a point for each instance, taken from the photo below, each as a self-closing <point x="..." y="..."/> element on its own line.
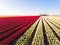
<point x="48" y="32"/>
<point x="30" y="30"/>
<point x="13" y="27"/>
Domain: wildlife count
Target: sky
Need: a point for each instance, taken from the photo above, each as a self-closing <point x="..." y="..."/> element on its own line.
<point x="29" y="7"/>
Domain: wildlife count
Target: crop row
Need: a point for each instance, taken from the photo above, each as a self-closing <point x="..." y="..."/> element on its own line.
<point x="51" y="37"/>
<point x="6" y="37"/>
<point x="47" y="32"/>
<point x="38" y="38"/>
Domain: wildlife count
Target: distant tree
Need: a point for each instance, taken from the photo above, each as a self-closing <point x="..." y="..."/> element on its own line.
<point x="44" y="15"/>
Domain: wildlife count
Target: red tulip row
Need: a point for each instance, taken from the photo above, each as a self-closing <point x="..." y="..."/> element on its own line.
<point x="20" y="23"/>
<point x="7" y="22"/>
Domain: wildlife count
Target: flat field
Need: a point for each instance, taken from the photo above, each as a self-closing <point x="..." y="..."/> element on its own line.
<point x="32" y="30"/>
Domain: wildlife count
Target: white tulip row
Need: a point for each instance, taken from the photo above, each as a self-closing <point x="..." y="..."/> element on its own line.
<point x="52" y="39"/>
<point x="38" y="38"/>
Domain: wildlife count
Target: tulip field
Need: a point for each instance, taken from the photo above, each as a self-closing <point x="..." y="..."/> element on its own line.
<point x="30" y="30"/>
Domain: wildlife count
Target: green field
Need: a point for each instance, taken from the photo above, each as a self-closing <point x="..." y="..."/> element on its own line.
<point x="45" y="31"/>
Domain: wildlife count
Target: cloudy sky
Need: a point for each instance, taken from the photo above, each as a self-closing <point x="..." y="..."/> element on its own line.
<point x="29" y="7"/>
